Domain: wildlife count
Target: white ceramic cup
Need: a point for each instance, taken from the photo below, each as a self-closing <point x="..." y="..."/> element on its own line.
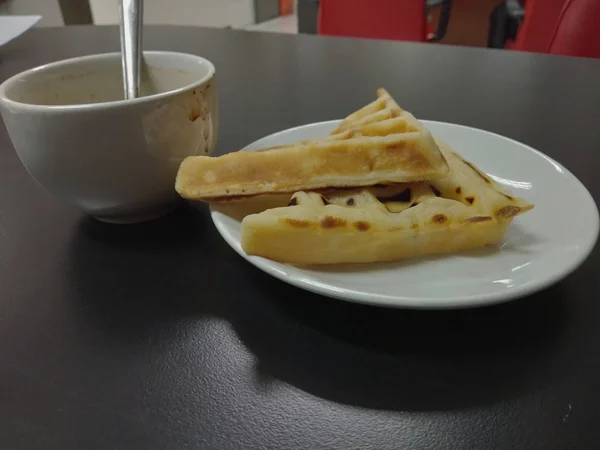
<point x="116" y="159"/>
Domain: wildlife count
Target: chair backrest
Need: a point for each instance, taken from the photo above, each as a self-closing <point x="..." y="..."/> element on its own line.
<point x="578" y="30"/>
<point x="379" y="19"/>
<point x="541" y="18"/>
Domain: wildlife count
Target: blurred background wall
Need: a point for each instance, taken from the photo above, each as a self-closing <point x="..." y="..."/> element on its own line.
<point x="468" y="20"/>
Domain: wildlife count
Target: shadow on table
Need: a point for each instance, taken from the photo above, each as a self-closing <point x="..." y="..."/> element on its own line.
<point x="405" y="360"/>
<point x="370" y="357"/>
<point x="114" y="270"/>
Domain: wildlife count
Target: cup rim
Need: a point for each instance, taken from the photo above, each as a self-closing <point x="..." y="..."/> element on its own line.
<point x="101" y="105"/>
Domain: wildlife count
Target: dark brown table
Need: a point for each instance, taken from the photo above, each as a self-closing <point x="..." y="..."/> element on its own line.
<point x="158" y="336"/>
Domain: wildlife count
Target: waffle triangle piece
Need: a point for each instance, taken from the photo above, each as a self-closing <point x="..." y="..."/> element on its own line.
<point x="462" y="211"/>
<point x="384" y="109"/>
<point x="380" y="143"/>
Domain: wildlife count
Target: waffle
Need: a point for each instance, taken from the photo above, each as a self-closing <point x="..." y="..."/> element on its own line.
<point x="382" y="109"/>
<point x="380" y="143"/>
<point x="462" y="211"/>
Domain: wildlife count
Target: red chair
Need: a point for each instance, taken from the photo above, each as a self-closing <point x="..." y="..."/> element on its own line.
<point x="562" y="27"/>
<point x="539" y="22"/>
<point x="578" y="30"/>
<point x="404" y="20"/>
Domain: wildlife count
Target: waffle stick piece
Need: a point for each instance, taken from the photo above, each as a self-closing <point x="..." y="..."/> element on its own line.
<point x="383" y="144"/>
<point x="463" y="211"/>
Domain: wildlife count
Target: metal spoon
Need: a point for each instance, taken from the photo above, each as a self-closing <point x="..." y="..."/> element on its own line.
<point x="132" y="12"/>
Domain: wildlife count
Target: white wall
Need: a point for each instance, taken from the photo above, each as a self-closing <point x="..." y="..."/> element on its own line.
<point x="216" y="13"/>
<point x="48" y="9"/>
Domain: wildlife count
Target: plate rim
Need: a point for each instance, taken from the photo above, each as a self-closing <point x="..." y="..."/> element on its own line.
<point x="413" y="302"/>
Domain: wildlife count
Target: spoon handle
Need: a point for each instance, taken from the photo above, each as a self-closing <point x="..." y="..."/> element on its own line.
<point x="131" y="45"/>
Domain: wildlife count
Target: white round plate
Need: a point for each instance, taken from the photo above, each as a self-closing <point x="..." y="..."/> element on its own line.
<point x="540" y="247"/>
